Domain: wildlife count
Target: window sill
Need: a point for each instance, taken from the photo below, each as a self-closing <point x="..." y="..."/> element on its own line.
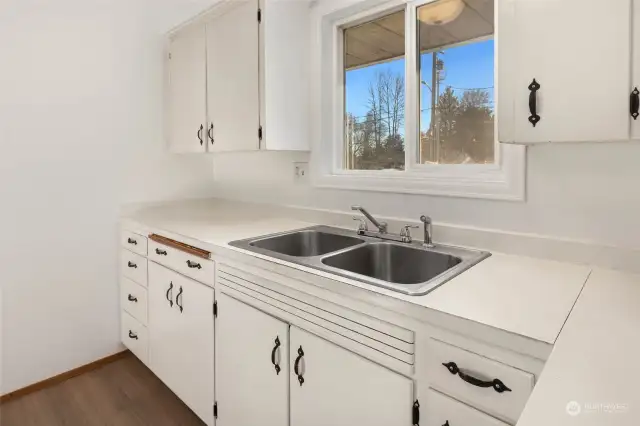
<point x="505" y="183"/>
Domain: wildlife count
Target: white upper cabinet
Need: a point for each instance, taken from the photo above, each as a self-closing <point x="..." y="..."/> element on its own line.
<point x="232" y="76"/>
<point x="187" y="103"/>
<point x="238" y="78"/>
<point x="578" y="53"/>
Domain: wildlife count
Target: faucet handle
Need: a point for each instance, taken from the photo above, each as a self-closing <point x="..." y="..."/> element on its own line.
<point x="363" y="224"/>
<point x="405" y="232"/>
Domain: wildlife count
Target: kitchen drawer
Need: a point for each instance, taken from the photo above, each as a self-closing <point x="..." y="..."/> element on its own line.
<point x="134" y="336"/>
<point x="134" y="267"/>
<point x="134" y="242"/>
<point x="440" y="410"/>
<point x="133" y="299"/>
<point x="196" y="267"/>
<point x="462" y="364"/>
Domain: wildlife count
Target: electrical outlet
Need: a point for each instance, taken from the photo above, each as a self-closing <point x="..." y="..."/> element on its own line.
<point x="301" y="172"/>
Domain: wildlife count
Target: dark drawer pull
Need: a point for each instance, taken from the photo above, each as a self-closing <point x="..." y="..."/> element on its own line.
<point x="161" y="252"/>
<point x="415" y="414"/>
<point x="130" y="264"/>
<point x="496" y="384"/>
<point x="132" y="241"/>
<point x="273" y="355"/>
<point x="132" y="335"/>
<point x="296" y="366"/>
<point x="191" y="264"/>
<point x="133" y="299"/>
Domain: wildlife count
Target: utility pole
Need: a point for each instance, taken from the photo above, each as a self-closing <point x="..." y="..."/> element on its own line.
<point x="434" y="99"/>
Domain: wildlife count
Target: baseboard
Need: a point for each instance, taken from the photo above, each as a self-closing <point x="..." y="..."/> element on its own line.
<point x="62" y="377"/>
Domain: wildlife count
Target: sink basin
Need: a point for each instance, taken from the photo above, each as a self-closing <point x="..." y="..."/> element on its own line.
<point x="408" y="268"/>
<point x="306" y="243"/>
<point x="393" y="263"/>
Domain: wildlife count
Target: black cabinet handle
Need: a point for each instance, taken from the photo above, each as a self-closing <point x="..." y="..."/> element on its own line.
<point x="170" y="298"/>
<point x="161" y="252"/>
<point x="132" y="335"/>
<point x="496" y="384"/>
<point x="179" y="299"/>
<point x="534" y="118"/>
<point x="415" y="414"/>
<point x="191" y="264"/>
<point x="200" y="134"/>
<point x="635" y="103"/>
<point x="296" y="365"/>
<point x="132" y="241"/>
<point x="130" y="264"/>
<point x="209" y="132"/>
<point x="446" y="423"/>
<point x="273" y="355"/>
<point x="133" y="299"/>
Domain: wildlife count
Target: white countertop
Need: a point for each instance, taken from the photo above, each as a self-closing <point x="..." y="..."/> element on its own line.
<point x="521" y="295"/>
<point x="594" y="360"/>
<point x="592" y="376"/>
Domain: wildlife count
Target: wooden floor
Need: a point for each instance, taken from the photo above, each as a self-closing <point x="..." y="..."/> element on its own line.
<point x="122" y="393"/>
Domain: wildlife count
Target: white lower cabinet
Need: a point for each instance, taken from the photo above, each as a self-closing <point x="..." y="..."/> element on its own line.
<point x="316" y="383"/>
<point x="340" y="388"/>
<point x="181" y="337"/>
<point x="250" y="390"/>
<point x="441" y="410"/>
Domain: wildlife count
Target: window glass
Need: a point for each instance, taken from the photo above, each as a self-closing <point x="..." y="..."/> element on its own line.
<point x="457" y="102"/>
<point x="374" y="93"/>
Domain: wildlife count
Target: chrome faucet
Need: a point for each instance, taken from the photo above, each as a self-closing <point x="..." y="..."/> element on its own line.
<point x="428" y="231"/>
<point x="382" y="226"/>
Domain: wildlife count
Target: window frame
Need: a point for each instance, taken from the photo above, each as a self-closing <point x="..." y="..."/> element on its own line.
<point x="504" y="179"/>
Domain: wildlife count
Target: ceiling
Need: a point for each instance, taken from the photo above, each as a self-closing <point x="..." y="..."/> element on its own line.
<point x="383" y="39"/>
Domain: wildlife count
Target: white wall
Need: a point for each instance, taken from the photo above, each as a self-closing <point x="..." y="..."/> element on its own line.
<point x="80" y="134"/>
<point x="587" y="192"/>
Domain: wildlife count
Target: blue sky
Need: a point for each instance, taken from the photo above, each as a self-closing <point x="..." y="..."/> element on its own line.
<point x="467" y="66"/>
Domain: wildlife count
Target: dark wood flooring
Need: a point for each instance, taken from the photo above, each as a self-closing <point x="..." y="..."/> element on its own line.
<point x="122" y="393"/>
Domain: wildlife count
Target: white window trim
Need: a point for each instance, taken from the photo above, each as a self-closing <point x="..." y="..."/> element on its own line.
<point x="504" y="180"/>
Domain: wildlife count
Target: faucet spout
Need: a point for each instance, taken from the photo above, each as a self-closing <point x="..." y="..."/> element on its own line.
<point x="382" y="226"/>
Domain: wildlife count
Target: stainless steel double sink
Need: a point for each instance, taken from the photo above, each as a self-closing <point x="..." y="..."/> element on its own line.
<point x="408" y="268"/>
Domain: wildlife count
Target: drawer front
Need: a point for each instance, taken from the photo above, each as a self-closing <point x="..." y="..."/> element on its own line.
<point x="196" y="267"/>
<point x="507" y="404"/>
<point x="133" y="299"/>
<point x="441" y="410"/>
<point x="134" y="267"/>
<point x="134" y="336"/>
<point x="135" y="242"/>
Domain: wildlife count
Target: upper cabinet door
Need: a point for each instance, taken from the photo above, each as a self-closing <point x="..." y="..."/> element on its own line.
<point x="578" y="53"/>
<point x="252" y="365"/>
<point x="187" y="106"/>
<point x="233" y="78"/>
<point x="341" y="388"/>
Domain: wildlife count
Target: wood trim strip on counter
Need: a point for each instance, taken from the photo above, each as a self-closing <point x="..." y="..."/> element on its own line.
<point x="180" y="246"/>
<point x="51" y="381"/>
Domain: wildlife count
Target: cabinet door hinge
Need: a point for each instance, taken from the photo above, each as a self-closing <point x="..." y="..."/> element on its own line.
<point x="215" y="410"/>
<point x="215" y="309"/>
<point x="260" y="132"/>
<point x="259" y="15"/>
<point x="415" y="417"/>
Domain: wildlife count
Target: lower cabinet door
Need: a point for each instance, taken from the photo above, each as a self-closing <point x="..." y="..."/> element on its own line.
<point x="331" y="386"/>
<point x="252" y="366"/>
<point x="181" y="337"/>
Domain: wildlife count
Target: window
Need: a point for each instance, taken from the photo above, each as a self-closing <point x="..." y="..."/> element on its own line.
<point x="415" y="106"/>
<point x="374" y="69"/>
